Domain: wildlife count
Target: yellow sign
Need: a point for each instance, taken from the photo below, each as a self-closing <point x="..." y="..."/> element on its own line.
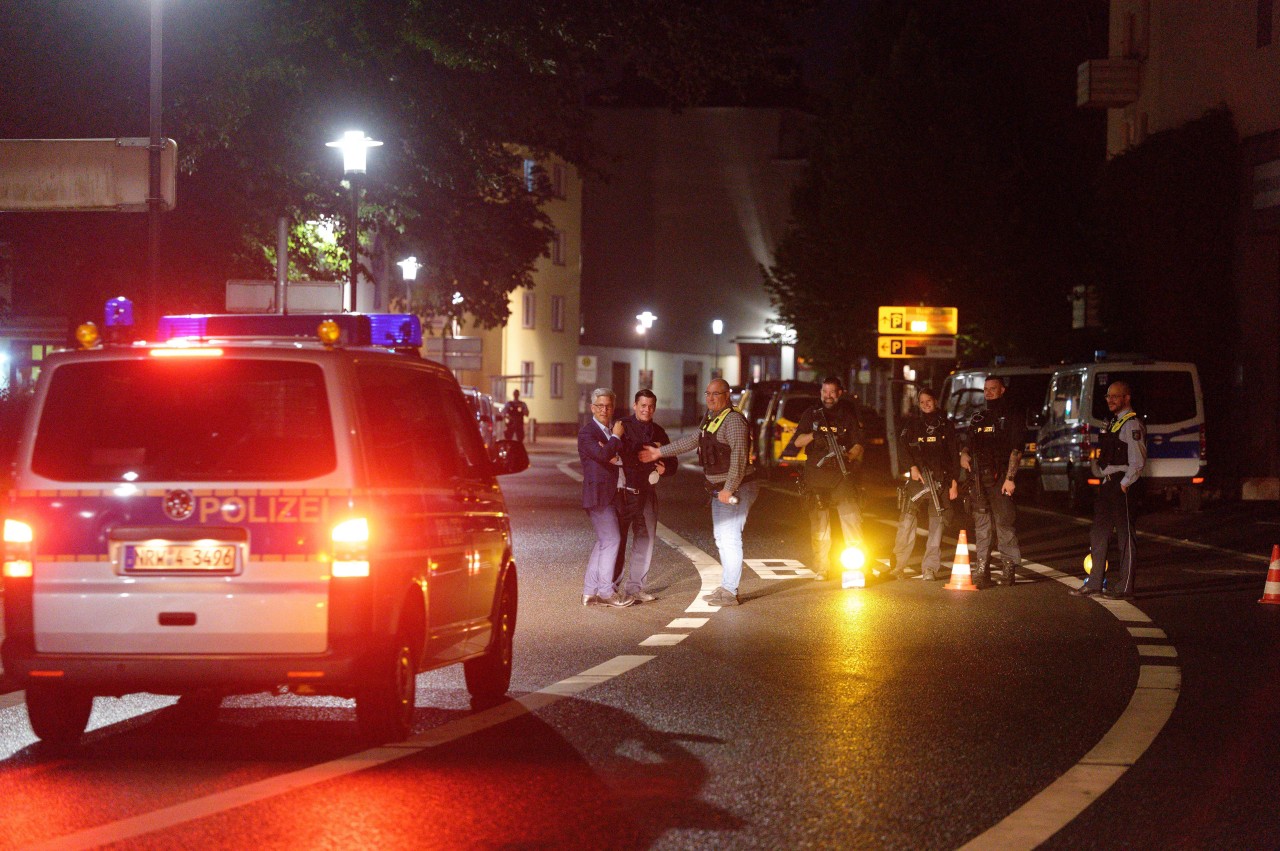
<point x="919" y="320"/>
<point x="916" y="347"/>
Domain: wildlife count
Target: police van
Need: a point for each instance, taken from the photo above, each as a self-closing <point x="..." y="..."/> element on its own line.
<point x="1167" y="397"/>
<point x="255" y="503"/>
<point x="1025" y="388"/>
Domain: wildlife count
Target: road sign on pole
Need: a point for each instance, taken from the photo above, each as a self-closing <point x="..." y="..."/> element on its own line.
<point x="917" y="347"/>
<point x="919" y="320"/>
<point x="83" y="174"/>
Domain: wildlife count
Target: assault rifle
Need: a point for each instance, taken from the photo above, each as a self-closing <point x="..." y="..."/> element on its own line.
<point x="833" y="448"/>
<point x="930" y="489"/>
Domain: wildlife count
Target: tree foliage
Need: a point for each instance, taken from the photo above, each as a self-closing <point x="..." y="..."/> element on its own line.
<point x="458" y="91"/>
<point x="929" y="180"/>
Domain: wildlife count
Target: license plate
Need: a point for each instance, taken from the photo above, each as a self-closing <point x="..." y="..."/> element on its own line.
<point x="200" y="557"/>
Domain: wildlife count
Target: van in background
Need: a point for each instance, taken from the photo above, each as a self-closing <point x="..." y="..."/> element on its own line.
<point x="1166" y="396"/>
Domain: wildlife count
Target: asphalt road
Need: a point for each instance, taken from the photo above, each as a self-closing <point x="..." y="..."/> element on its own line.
<point x="902" y="715"/>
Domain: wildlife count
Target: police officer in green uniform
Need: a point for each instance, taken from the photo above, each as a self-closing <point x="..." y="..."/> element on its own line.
<point x="1122" y="455"/>
<point x="928" y="443"/>
<point x="991" y="458"/>
<point x="831" y="436"/>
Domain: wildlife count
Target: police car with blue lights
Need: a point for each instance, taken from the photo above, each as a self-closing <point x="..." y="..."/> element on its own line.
<point x="254" y="503"/>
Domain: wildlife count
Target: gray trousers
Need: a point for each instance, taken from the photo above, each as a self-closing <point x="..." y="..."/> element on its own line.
<point x="599" y="576"/>
<point x="845" y="501"/>
<point x="989" y="503"/>
<point x="905" y="540"/>
<point x="639" y="516"/>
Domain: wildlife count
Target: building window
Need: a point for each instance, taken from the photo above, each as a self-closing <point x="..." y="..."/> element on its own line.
<point x="557" y="313"/>
<point x="557" y="247"/>
<point x="557" y="180"/>
<point x="529" y="316"/>
<point x="526" y="379"/>
<point x="557" y="381"/>
<point x="530" y="175"/>
<point x="1266" y="19"/>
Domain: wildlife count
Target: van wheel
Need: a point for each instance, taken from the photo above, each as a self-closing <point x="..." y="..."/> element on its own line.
<point x="385" y="703"/>
<point x="58" y="715"/>
<point x="489" y="676"/>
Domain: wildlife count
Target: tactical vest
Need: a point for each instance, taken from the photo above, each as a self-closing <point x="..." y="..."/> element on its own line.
<point x="713" y="455"/>
<point x="932" y="446"/>
<point x="1112" y="452"/>
<point x="986" y="434"/>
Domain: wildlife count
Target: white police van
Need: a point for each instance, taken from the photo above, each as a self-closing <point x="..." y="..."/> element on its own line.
<point x="1167" y="397"/>
<point x="255" y="503"/>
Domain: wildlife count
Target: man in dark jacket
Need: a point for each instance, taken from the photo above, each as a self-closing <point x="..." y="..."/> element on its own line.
<point x="992" y="457"/>
<point x="638" y="496"/>
<point x="831" y="437"/>
<point x="597" y="448"/>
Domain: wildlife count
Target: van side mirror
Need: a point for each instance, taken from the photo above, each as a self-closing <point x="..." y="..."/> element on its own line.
<point x="508" y="456"/>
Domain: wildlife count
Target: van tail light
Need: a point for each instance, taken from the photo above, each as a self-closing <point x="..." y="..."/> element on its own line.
<point x="19" y="556"/>
<point x="351" y="548"/>
<point x="1202" y="443"/>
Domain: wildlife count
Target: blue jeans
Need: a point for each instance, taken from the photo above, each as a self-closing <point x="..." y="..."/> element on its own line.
<point x="727" y="522"/>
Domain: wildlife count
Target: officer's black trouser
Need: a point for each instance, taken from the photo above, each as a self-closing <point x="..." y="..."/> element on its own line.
<point x="988" y="504"/>
<point x="1112" y="509"/>
<point x="844" y="498"/>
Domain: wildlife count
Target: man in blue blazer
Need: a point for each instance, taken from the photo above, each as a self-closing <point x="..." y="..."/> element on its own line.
<point x="597" y="449"/>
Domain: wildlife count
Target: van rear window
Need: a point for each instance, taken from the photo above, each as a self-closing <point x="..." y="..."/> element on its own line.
<point x="1161" y="397"/>
<point x="185" y="420"/>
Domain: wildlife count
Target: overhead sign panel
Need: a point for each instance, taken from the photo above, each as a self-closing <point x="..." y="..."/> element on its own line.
<point x="48" y="175"/>
<point x="916" y="347"/>
<point x="919" y="320"/>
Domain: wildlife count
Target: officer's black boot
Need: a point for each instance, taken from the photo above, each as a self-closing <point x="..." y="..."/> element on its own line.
<point x="982" y="576"/>
<point x="1010" y="571"/>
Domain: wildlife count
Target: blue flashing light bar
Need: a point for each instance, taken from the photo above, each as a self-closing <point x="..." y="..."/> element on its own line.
<point x="387" y="330"/>
<point x="118" y="312"/>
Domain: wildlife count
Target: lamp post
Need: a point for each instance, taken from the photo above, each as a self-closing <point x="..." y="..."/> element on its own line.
<point x="646" y="321"/>
<point x="409" y="268"/>
<point x="355" y="148"/>
<point x="717" y="328"/>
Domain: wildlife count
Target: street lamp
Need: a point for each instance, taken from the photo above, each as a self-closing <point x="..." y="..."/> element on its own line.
<point x="355" y="147"/>
<point x="646" y="321"/>
<point x="717" y="328"/>
<point x="409" y="268"/>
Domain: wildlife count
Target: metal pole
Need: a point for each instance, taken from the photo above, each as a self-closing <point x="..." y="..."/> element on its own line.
<point x="154" y="148"/>
<point x="355" y="236"/>
<point x="282" y="263"/>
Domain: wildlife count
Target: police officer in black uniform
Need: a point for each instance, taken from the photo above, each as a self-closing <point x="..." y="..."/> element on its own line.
<point x="928" y="443"/>
<point x="991" y="458"/>
<point x="831" y="436"/>
<point x="1122" y="453"/>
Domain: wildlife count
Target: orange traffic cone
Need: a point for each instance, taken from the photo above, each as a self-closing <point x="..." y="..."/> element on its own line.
<point x="961" y="576"/>
<point x="1271" y="591"/>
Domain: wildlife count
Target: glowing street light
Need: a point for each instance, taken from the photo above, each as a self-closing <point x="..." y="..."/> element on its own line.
<point x="717" y="328"/>
<point x="355" y="147"/>
<point x="646" y="321"/>
<point x="409" y="269"/>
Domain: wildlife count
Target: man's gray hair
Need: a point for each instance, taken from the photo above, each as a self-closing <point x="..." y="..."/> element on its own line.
<point x="603" y="391"/>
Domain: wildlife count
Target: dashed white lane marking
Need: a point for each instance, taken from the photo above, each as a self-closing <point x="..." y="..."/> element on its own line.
<point x="687" y="623"/>
<point x="1167" y="651"/>
<point x="1147" y="632"/>
<point x="284" y="783"/>
<point x="664" y="639"/>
